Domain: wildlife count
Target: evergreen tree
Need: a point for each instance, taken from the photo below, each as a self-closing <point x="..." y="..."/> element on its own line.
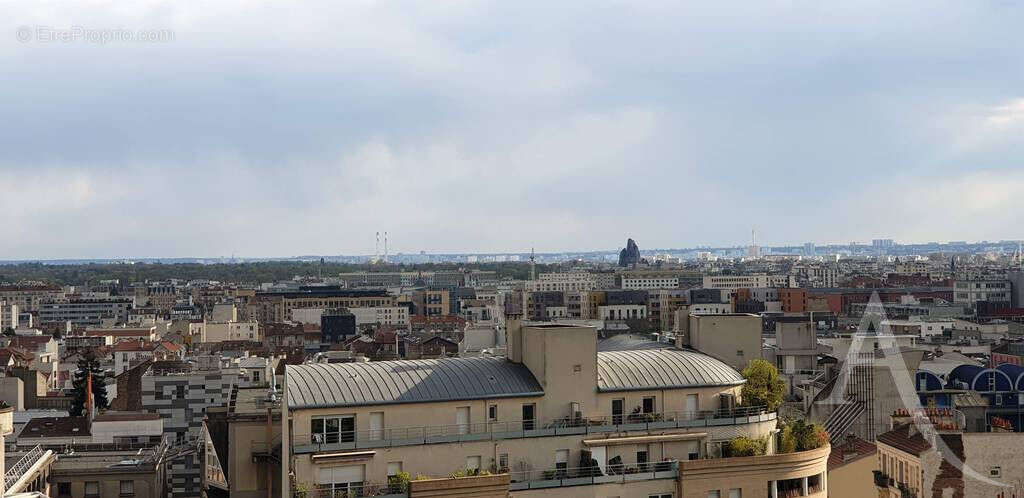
<point x="86" y="365"/>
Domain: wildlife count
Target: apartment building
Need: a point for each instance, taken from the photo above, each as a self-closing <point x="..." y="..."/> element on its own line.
<point x="969" y="292"/>
<point x="563" y="281"/>
<point x="559" y="416"/>
<point x="208" y="331"/>
<point x="733" y="282"/>
<point x="181" y="393"/>
<point x="277" y="306"/>
<point x="650" y="282"/>
<point x="28" y="297"/>
<point x="86" y="310"/>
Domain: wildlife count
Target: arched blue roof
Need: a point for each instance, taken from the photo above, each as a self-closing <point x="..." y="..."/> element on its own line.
<point x="1016" y="373"/>
<point x="983" y="381"/>
<point x="964" y="374"/>
<point x="932" y="382"/>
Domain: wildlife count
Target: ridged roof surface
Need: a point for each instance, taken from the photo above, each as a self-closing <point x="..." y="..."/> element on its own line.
<point x="407" y="381"/>
<point x="661" y="369"/>
<point x="629" y="342"/>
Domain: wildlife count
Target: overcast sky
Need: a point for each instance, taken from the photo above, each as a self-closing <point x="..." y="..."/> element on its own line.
<point x="276" y="129"/>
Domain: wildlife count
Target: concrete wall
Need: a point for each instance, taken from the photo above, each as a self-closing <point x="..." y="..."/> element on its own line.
<point x="853" y="479"/>
<point x="735" y="339"/>
<point x="12" y="392"/>
<point x="752" y="475"/>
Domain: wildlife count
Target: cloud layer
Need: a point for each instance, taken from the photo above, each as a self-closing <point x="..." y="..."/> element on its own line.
<point x="274" y="129"/>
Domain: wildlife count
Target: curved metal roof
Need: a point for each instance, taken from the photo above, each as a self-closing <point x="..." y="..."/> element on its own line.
<point x="661" y="369"/>
<point x="629" y="342"/>
<point x="322" y="385"/>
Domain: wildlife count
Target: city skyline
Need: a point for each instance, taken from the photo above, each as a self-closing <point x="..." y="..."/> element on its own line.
<point x="1007" y="244"/>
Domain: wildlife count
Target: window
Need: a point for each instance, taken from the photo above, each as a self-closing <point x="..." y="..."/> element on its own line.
<point x="255" y="375"/>
<point x="503" y="462"/>
<point x="561" y="461"/>
<point x="127" y="488"/>
<point x="735" y="493"/>
<point x="63" y="489"/>
<point x="528" y="416"/>
<point x="394" y="468"/>
<point x="492" y="413"/>
<point x="995" y="472"/>
<point x="641" y="460"/>
<point x="341" y="481"/>
<point x="617" y="405"/>
<point x="92" y="488"/>
<point x="714" y="493"/>
<point x="473" y="462"/>
<point x="180" y="392"/>
<point x="648" y="404"/>
<point x="330" y="430"/>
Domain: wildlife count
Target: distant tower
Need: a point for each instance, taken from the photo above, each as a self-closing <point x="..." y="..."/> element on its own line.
<point x="376" y="249"/>
<point x="385" y="247"/>
<point x="533" y="265"/>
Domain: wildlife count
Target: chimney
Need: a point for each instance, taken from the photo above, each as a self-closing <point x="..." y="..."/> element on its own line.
<point x="514" y="337"/>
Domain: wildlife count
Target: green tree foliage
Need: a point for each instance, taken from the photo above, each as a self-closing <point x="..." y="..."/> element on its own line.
<point x="802" y="436"/>
<point x="89" y="363"/>
<point x="763" y="386"/>
<point x="744" y="446"/>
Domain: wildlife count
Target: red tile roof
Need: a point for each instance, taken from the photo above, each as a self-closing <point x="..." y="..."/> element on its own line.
<point x="851" y="450"/>
<point x="907" y="438"/>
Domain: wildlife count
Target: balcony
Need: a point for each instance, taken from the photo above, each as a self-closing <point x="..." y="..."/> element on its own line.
<point x="587" y="476"/>
<point x="353" y="490"/>
<point x="489" y="431"/>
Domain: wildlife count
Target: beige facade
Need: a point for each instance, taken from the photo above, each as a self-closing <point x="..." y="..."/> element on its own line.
<point x="734" y="338"/>
<point x="225" y="331"/>
<point x="638" y="422"/>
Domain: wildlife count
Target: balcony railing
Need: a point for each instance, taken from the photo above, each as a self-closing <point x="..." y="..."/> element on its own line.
<point x="353" y="490"/>
<point x="585" y="476"/>
<point x="481" y="431"/>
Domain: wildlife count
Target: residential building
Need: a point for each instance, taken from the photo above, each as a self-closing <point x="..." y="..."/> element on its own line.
<point x="207" y="331"/>
<point x="86" y="310"/>
<point x="562" y="282"/>
<point x="733" y="282"/>
<point x="28" y="298"/>
<point x="276" y="306"/>
<point x="649" y="282"/>
<point x="181" y="394"/>
<point x="969" y="292"/>
<point x="560" y="417"/>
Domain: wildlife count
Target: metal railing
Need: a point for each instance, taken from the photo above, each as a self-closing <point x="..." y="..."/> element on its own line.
<point x="352" y="490"/>
<point x="24" y="464"/>
<point x="414" y="435"/>
<point x="612" y="472"/>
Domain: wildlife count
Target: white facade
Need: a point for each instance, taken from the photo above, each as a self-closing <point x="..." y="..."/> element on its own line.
<point x="732" y="282"/>
<point x="567" y="281"/>
<point x="383" y="315"/>
<point x="640" y="283"/>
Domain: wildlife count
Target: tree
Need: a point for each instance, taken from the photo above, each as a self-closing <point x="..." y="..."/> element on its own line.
<point x="802" y="436"/>
<point x="763" y="386"/>
<point x="88" y="364"/>
<point x="8" y="331"/>
<point x="742" y="446"/>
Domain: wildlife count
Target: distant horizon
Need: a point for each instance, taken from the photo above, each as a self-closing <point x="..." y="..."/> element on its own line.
<point x="867" y="244"/>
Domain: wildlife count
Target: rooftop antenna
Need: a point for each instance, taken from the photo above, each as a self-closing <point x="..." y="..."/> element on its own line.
<point x="533" y="265"/>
